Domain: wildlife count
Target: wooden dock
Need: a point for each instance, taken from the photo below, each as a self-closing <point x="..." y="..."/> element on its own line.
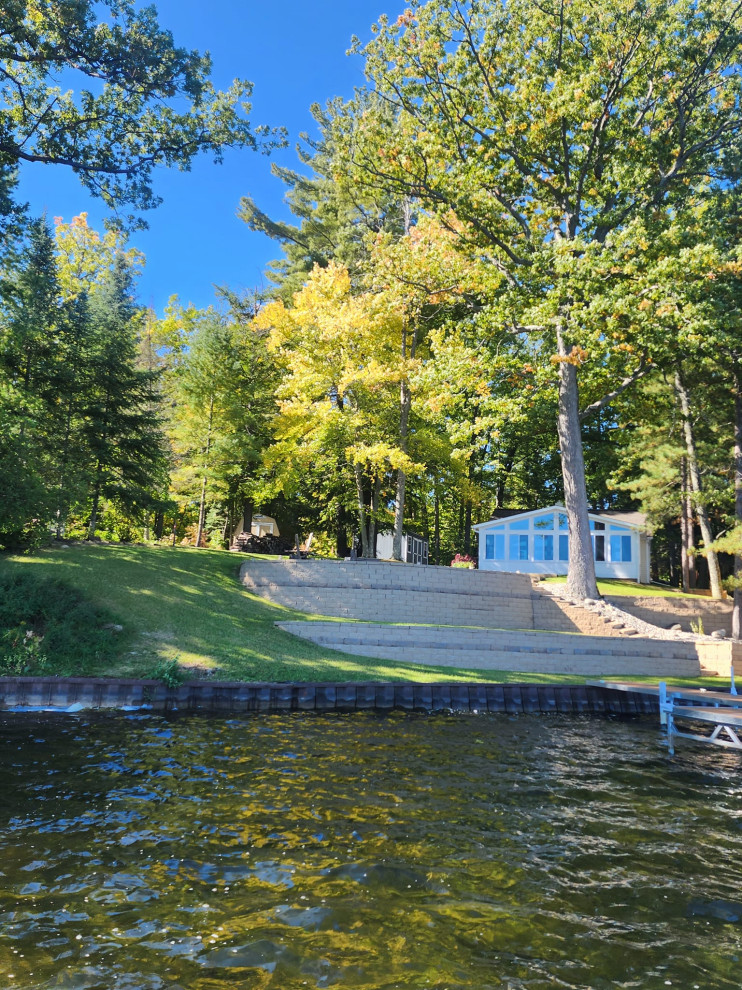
<point x="721" y="709"/>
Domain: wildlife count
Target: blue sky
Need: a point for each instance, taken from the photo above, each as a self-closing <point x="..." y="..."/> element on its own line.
<point x="294" y="54"/>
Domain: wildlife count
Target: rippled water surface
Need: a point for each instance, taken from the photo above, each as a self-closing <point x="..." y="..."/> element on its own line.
<point x="140" y="853"/>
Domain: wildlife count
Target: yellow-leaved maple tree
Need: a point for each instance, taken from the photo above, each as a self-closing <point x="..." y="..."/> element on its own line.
<point x="343" y="367"/>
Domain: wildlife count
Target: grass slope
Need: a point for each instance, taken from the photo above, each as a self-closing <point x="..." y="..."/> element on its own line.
<point x="614" y="587"/>
<point x="186" y="603"/>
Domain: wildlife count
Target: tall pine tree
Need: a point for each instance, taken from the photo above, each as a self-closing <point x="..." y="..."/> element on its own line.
<point x="121" y="428"/>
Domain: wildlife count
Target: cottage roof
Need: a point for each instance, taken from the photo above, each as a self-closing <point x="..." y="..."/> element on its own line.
<point x="636" y="520"/>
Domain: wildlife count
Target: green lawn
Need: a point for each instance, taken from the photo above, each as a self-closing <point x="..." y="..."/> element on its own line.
<point x="187" y="603"/>
<point x="615" y="588"/>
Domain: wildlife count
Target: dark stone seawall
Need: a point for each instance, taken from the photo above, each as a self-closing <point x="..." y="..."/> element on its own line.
<point x="225" y="696"/>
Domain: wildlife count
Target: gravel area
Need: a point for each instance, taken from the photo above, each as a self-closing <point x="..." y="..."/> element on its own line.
<point x="618" y="615"/>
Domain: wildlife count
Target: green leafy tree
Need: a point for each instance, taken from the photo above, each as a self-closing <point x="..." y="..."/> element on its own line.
<point x="221" y="391"/>
<point x="85" y="257"/>
<point x="344" y="365"/>
<point x="140" y="102"/>
<point x="548" y="131"/>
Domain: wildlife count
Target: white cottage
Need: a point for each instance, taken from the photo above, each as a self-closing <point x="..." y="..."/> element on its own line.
<point x="537" y="542"/>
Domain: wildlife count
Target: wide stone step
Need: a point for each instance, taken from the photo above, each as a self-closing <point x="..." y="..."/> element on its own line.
<point x="583" y="666"/>
<point x="380" y="575"/>
<point x="466" y="637"/>
<point x="488" y="650"/>
<point x="424" y="607"/>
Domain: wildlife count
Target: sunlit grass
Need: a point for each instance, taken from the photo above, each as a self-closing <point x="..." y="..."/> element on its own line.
<point x="187" y="603"/>
<point x="615" y="587"/>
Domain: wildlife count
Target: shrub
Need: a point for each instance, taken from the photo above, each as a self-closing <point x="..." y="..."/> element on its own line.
<point x="170" y="673"/>
<point x="463" y="560"/>
<point x="46" y="626"/>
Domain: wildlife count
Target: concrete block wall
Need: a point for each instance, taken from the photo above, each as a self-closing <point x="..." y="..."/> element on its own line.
<point x="451" y="617"/>
<point x="373" y="591"/>
<point x="395" y="593"/>
<point x="665" y="612"/>
<point x="381" y="574"/>
<point x="718" y="657"/>
<point x="523" y="651"/>
<point x="550" y="612"/>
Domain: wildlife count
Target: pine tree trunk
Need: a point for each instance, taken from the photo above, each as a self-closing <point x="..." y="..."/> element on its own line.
<point x="694" y="476"/>
<point x="737" y="608"/>
<point x="342" y="547"/>
<point x="62" y="517"/>
<point x="437" y="530"/>
<point x="687" y="557"/>
<point x="362" y="513"/>
<point x="92" y="525"/>
<point x="202" y="503"/>
<point x="467" y="527"/>
<point x="405" y="402"/>
<point x="399" y="515"/>
<point x="201" y="512"/>
<point x="581" y="582"/>
<point x="405" y="405"/>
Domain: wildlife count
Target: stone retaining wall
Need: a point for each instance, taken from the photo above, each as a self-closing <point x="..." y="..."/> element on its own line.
<point x="666" y="612"/>
<point x="80" y="693"/>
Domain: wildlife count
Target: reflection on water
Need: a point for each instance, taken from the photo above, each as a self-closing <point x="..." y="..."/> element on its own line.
<point x="357" y="851"/>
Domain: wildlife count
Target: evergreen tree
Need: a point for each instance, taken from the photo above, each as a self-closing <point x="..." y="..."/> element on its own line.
<point x="334" y="220"/>
<point x="121" y="425"/>
<point x="29" y="357"/>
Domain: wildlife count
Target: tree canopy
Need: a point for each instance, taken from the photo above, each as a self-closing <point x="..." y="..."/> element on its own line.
<point x="555" y="138"/>
<point x="104" y="90"/>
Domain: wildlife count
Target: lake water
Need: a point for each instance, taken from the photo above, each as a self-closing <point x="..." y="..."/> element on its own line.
<point x="444" y="852"/>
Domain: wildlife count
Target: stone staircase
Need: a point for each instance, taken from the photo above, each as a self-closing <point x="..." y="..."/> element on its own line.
<point x="502" y="649"/>
<point x="457" y="618"/>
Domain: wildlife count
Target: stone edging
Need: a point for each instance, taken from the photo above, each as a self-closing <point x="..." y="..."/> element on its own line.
<point x="79" y="693"/>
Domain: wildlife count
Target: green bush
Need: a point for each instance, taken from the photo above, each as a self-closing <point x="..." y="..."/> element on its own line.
<point x="47" y="626"/>
<point x="170" y="673"/>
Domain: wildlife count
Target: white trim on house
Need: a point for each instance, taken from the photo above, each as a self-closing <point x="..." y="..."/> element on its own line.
<point x="536" y="542"/>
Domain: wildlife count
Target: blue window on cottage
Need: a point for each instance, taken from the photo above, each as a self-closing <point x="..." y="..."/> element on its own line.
<point x="494" y="546"/>
<point x="564" y="547"/>
<point x="543" y="547"/>
<point x="518" y="547"/>
<point x="519" y="524"/>
<point x="563" y="524"/>
<point x="621" y="548"/>
<point x="544" y="522"/>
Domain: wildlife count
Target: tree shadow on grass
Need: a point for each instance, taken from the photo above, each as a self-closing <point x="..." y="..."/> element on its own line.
<point x="188" y="602"/>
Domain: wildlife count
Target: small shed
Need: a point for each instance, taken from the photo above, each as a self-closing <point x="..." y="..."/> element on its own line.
<point x="415" y="548"/>
<point x="264" y="526"/>
<point x="537" y="542"/>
